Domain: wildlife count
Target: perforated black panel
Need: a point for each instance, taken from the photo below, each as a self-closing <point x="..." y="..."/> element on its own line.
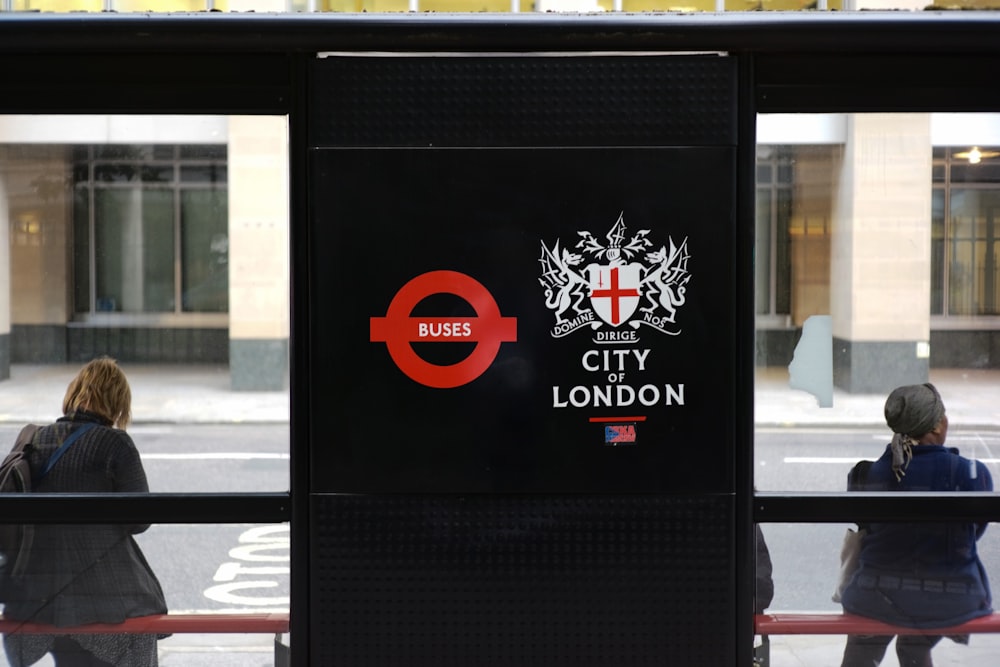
<point x="486" y="522"/>
<point x="506" y="580"/>
<point x="524" y="101"/>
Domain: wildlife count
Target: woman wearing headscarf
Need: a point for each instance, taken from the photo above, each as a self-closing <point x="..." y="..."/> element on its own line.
<point x="78" y="574"/>
<point x="921" y="575"/>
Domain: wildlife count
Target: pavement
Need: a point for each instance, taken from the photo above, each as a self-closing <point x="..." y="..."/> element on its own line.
<point x="161" y="393"/>
<point x="971" y="398"/>
<point x="164" y="393"/>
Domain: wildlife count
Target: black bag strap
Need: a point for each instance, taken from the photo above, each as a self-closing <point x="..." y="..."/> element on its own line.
<point x="70" y="439"/>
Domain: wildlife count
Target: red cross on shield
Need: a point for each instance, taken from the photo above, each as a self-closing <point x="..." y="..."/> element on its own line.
<point x="614" y="290"/>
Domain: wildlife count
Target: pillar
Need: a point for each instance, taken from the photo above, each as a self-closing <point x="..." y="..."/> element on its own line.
<point x="259" y="303"/>
<point x="5" y="269"/>
<point x="880" y="254"/>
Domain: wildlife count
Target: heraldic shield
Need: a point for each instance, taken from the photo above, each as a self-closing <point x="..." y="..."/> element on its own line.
<point x="615" y="290"/>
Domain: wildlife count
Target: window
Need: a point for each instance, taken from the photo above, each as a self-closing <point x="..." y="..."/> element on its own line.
<point x="774" y="213"/>
<point x="966" y="232"/>
<point x="151" y="229"/>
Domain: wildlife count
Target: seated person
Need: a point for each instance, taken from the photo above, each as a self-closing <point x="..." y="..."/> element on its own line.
<point x="919" y="575"/>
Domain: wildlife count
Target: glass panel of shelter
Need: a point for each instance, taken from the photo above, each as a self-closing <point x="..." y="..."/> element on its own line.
<point x="891" y="281"/>
<point x="177" y="228"/>
<point x="154" y="212"/>
<point x="210" y="573"/>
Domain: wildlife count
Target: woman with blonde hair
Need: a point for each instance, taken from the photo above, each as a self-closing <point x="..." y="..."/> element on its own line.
<point x="79" y="574"/>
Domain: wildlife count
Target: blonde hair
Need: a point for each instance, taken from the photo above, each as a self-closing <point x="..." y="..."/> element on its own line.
<point x="102" y="388"/>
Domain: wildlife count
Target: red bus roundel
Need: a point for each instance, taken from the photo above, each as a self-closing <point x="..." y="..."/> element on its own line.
<point x="398" y="329"/>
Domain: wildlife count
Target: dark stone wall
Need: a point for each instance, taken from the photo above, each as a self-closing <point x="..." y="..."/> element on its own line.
<point x="56" y="344"/>
<point x="258" y="365"/>
<point x="965" y="349"/>
<point x="876" y="367"/>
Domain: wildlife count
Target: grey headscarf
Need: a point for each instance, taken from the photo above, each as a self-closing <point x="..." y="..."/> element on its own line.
<point x="911" y="411"/>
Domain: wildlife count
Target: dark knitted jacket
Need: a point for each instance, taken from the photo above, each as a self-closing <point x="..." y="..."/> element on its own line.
<point x="86" y="573"/>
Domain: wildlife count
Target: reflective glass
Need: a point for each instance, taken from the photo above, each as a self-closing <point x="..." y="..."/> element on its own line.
<point x="184" y="282"/>
<point x="201" y="570"/>
<point x="892" y="279"/>
<point x="805" y="567"/>
<point x="134" y="251"/>
<point x="205" y="250"/>
<point x="895" y="285"/>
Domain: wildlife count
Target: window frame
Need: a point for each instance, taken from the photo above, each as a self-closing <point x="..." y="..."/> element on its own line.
<point x="177" y="187"/>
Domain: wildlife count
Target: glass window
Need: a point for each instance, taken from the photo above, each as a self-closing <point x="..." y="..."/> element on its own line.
<point x="774" y="184"/>
<point x="973" y="241"/>
<point x="937" y="251"/>
<point x="205" y="251"/>
<point x="133" y="251"/>
<point x="966" y="200"/>
<point x="160" y="229"/>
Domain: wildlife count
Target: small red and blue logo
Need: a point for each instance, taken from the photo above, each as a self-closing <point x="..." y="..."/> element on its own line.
<point x="619" y="434"/>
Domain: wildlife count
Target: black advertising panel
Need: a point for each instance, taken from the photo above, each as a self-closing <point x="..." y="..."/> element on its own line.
<point x="525" y="320"/>
<point x="522" y="346"/>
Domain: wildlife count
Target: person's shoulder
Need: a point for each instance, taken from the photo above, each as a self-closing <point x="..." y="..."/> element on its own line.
<point x="980" y="470"/>
<point x="972" y="470"/>
<point x="954" y="451"/>
<point x="115" y="437"/>
<point x="976" y="476"/>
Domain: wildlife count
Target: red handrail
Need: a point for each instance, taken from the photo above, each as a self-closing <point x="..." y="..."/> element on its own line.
<point x="164" y="623"/>
<point x="789" y="623"/>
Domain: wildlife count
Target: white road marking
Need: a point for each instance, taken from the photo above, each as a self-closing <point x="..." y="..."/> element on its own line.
<point x="252" y="541"/>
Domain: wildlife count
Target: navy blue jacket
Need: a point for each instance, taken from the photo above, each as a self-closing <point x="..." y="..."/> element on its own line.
<point x="922" y="575"/>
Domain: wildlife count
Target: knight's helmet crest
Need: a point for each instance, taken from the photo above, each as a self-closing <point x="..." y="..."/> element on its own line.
<point x="615" y="237"/>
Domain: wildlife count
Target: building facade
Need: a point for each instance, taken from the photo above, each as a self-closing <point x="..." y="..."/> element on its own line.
<point x="159" y="239"/>
<point x="197" y="206"/>
<point x="833" y="189"/>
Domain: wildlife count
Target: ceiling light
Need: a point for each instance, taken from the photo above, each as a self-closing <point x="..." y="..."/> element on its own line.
<point x="975" y="155"/>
